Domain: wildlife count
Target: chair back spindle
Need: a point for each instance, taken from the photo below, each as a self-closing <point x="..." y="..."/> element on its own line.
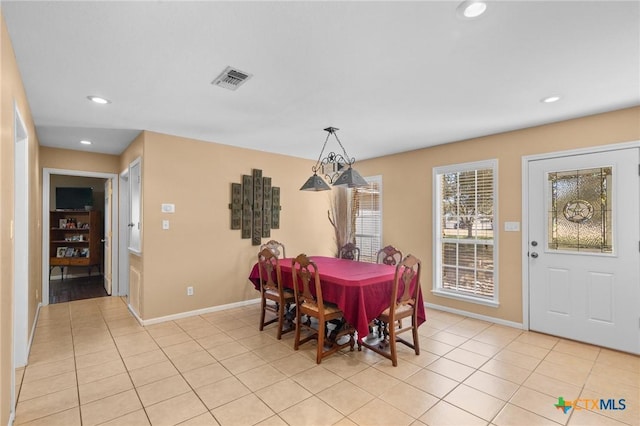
<point x="350" y="251"/>
<point x="276" y="247"/>
<point x="306" y="271"/>
<point x="389" y="256"/>
<point x="406" y="272"/>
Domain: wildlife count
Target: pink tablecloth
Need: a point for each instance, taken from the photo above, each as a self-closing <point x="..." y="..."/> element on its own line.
<point x="362" y="290"/>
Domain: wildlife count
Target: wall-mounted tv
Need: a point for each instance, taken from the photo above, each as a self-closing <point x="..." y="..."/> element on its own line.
<point x="68" y="198"/>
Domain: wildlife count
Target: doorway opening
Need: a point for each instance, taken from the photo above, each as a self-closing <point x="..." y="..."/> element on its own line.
<point x="77" y="228"/>
<point x="79" y="245"/>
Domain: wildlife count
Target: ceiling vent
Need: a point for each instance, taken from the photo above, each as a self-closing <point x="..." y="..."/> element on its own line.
<point x="231" y="78"/>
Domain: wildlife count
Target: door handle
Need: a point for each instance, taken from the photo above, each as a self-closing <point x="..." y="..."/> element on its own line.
<point x="534" y="255"/>
<point x="131" y="225"/>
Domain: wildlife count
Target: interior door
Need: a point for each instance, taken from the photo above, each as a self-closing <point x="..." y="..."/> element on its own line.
<point x="123" y="235"/>
<point x="107" y="235"/>
<point x="584" y="255"/>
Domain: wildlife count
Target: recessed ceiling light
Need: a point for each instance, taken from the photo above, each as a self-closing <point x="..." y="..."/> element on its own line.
<point x="550" y="99"/>
<point x="98" y="100"/>
<point x="471" y="9"/>
<point x="85" y="142"/>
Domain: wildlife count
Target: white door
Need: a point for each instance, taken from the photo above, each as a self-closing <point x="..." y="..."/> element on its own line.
<point x="123" y="232"/>
<point x="107" y="236"/>
<point x="584" y="254"/>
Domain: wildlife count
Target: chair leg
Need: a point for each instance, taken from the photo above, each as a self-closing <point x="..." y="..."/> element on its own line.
<point x="296" y="341"/>
<point x="392" y="345"/>
<point x="416" y="342"/>
<point x="262" y="313"/>
<point x="321" y="333"/>
<point x="280" y="319"/>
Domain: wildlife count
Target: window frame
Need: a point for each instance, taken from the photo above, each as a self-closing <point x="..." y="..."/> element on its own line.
<point x="135" y="207"/>
<point x="437" y="288"/>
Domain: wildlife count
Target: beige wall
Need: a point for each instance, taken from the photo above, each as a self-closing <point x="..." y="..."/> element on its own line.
<point x="12" y="90"/>
<point x="66" y="159"/>
<point x="200" y="249"/>
<point x="133" y="151"/>
<point x="407" y="193"/>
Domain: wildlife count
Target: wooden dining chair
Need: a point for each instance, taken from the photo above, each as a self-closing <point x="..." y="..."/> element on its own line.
<point x="276" y="247"/>
<point x="389" y="256"/>
<point x="274" y="297"/>
<point x="402" y="305"/>
<point x="305" y="278"/>
<point x="350" y="251"/>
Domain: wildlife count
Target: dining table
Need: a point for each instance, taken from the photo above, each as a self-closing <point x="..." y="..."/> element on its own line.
<point x="362" y="290"/>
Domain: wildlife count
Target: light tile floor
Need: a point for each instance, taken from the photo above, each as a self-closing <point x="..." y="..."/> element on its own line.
<point x="91" y="363"/>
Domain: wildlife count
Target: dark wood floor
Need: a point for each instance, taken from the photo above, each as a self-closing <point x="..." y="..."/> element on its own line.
<point x="76" y="288"/>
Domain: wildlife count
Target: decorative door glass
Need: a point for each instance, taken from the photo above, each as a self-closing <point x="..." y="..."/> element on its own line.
<point x="579" y="216"/>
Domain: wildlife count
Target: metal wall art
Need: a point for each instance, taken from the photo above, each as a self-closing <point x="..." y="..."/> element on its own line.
<point x="255" y="207"/>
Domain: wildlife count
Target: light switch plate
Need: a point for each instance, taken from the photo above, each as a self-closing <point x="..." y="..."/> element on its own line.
<point x="512" y="226"/>
<point x="165" y="224"/>
<point x="168" y="208"/>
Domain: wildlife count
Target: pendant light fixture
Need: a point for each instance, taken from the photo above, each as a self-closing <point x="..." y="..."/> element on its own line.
<point x="333" y="168"/>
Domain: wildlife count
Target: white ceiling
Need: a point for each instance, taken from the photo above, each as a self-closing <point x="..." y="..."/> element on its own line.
<point x="393" y="76"/>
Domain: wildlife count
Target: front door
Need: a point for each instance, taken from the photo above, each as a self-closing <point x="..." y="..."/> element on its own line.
<point x="107" y="236"/>
<point x="584" y="254"/>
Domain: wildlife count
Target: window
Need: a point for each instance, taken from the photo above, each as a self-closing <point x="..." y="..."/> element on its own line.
<point x="465" y="252"/>
<point x="366" y="217"/>
<point x="579" y="214"/>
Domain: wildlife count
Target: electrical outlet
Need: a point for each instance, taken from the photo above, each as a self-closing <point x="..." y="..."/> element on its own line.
<point x="189" y="291"/>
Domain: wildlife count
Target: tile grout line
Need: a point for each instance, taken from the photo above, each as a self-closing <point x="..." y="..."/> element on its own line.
<point x="553" y="349"/>
<point x="75" y="365"/>
<point x="180" y="373"/>
<point x="135" y="389"/>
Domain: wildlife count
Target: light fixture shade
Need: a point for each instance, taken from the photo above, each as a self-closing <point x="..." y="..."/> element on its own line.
<point x="350" y="178"/>
<point x="315" y="183"/>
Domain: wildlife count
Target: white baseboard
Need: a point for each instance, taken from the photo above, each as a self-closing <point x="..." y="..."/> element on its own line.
<point x="187" y="314"/>
<point x="12" y="412"/>
<point x="475" y="316"/>
<point x="135" y="314"/>
<point x="33" y="330"/>
<point x="203" y="311"/>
